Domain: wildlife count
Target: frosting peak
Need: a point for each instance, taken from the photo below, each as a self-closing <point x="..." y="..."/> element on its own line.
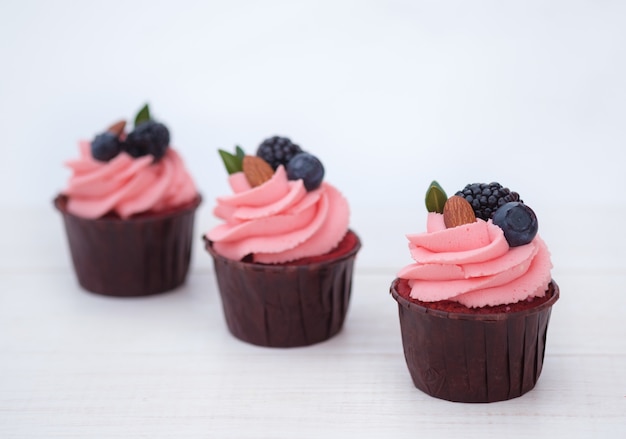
<point x="278" y="221"/>
<point x="127" y="185"/>
<point x="473" y="264"/>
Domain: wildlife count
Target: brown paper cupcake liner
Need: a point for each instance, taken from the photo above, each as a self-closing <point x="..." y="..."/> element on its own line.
<point x="142" y="255"/>
<point x="474" y="357"/>
<point x="285" y="305"/>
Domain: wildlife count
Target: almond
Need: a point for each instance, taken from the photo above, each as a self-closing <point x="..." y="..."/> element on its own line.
<point x="257" y="170"/>
<point x="458" y="211"/>
<point x="117" y="128"/>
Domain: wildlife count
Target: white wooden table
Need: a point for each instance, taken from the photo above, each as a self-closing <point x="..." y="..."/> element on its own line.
<point x="78" y="365"/>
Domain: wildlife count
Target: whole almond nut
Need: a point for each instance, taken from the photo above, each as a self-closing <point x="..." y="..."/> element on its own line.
<point x="257" y="170"/>
<point x="117" y="128"/>
<point x="458" y="211"/>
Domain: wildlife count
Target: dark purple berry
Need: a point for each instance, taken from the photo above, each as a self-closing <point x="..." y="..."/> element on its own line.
<point x="277" y="151"/>
<point x="487" y="198"/>
<point x="105" y="146"/>
<point x="149" y="137"/>
<point x="307" y="167"/>
<point x="518" y="222"/>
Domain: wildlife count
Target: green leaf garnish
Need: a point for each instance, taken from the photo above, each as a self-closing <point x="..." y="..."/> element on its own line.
<point x="232" y="162"/>
<point x="435" y="198"/>
<point x="239" y="152"/>
<point x="143" y="115"/>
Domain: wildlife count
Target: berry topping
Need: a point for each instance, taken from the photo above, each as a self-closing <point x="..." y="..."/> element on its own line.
<point x="149" y="137"/>
<point x="105" y="146"/>
<point x="277" y="151"/>
<point x="272" y="153"/>
<point x="517" y="221"/>
<point x="307" y="167"/>
<point x="487" y="198"/>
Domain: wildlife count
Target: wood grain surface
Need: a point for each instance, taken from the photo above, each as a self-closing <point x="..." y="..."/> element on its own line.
<point x="76" y="365"/>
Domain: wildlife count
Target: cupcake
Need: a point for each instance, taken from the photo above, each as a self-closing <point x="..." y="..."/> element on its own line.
<point x="283" y="253"/>
<point x="128" y="211"/>
<point x="474" y="307"/>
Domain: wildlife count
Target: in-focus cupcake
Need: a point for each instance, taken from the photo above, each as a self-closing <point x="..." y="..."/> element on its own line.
<point x="129" y="210"/>
<point x="283" y="255"/>
<point x="475" y="305"/>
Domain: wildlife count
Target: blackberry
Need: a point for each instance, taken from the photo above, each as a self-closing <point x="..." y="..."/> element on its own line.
<point x="277" y="151"/>
<point x="105" y="146"/>
<point x="149" y="137"/>
<point x="487" y="198"/>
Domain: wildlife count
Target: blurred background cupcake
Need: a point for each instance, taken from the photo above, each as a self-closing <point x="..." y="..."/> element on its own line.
<point x="128" y="210"/>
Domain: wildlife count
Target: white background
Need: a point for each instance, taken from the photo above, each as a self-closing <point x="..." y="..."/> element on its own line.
<point x="390" y="95"/>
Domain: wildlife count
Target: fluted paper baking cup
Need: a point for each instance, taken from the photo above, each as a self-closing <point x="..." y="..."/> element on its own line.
<point x="474" y="357"/>
<point x="138" y="256"/>
<point x="285" y="305"/>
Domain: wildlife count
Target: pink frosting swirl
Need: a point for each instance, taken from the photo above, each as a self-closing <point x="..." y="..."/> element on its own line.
<point x="278" y="221"/>
<point x="127" y="185"/>
<point x="473" y="264"/>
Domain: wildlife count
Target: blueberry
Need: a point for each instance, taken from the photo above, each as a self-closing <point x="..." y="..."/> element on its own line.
<point x="105" y="147"/>
<point x="307" y="167"/>
<point x="149" y="137"/>
<point x="517" y="221"/>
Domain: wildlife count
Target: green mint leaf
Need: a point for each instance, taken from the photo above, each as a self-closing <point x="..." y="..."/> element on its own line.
<point x="231" y="162"/>
<point x="435" y="198"/>
<point x="143" y="115"/>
